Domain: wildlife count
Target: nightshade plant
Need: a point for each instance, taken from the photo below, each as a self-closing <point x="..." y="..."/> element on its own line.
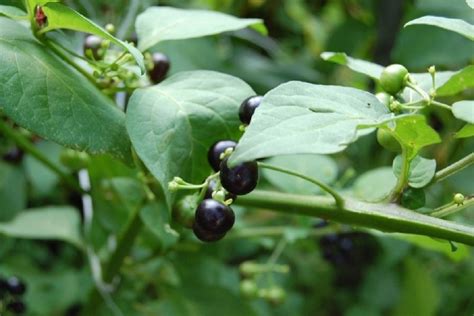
<point x="131" y="131"/>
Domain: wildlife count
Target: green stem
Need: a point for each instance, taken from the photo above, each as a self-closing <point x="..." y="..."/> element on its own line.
<point x="453" y="168"/>
<point x="418" y="90"/>
<point x="60" y="52"/>
<point x="271" y="231"/>
<point x="28" y="147"/>
<point x="403" y="178"/>
<point x="452" y="208"/>
<point x="337" y="198"/>
<point x="441" y="105"/>
<point x="384" y="217"/>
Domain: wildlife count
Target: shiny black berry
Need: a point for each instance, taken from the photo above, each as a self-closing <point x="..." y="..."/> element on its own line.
<point x="215" y="151"/>
<point x="15" y="286"/>
<point x="214" y="217"/>
<point x="16" y="307"/>
<point x="205" y="235"/>
<point x="241" y="179"/>
<point x="93" y="43"/>
<point x="212" y="187"/>
<point x="247" y="108"/>
<point x="161" y="65"/>
<point x="14" y="155"/>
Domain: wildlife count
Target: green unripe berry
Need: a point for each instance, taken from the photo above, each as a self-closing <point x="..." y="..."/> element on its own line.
<point x="248" y="288"/>
<point x="275" y="295"/>
<point x="458" y="199"/>
<point x="74" y="160"/>
<point x="393" y="78"/>
<point x="110" y="28"/>
<point x="413" y="198"/>
<point x="387" y="141"/>
<point x="183" y="211"/>
<point x="248" y="269"/>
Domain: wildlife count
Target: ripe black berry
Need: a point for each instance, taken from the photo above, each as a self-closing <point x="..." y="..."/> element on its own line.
<point x="161" y="65"/>
<point x="16" y="307"/>
<point x="215" y="151"/>
<point x="205" y="235"/>
<point x="214" y="217"/>
<point x="15" y="286"/>
<point x="247" y="108"/>
<point x="14" y="155"/>
<point x="93" y="43"/>
<point x="241" y="179"/>
<point x="212" y="187"/>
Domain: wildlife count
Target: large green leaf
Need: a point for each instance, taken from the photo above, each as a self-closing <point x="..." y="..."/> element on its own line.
<point x="464" y="110"/>
<point x="54" y="222"/>
<point x="421" y="170"/>
<point x="158" y="24"/>
<point x="12" y="191"/>
<point x="41" y="93"/>
<point x="367" y="68"/>
<point x="63" y="17"/>
<point x="172" y="125"/>
<point x="466" y="131"/>
<point x="319" y="167"/>
<point x="374" y="185"/>
<point x="458" y="82"/>
<point x="414" y="133"/>
<point x="302" y="118"/>
<point x="156" y="218"/>
<point x="454" y="25"/>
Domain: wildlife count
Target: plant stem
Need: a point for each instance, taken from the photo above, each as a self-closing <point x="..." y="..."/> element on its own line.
<point x="452" y="208"/>
<point x="453" y="168"/>
<point x="337" y="198"/>
<point x="384" y="217"/>
<point x="441" y="105"/>
<point x="60" y="52"/>
<point x="418" y="90"/>
<point x="27" y="146"/>
<point x="403" y="178"/>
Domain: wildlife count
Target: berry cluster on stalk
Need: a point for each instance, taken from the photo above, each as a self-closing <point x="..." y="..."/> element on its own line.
<point x="12" y="290"/>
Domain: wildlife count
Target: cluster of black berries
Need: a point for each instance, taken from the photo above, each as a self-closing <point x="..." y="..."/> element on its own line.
<point x="213" y="218"/>
<point x="350" y="254"/>
<point x="11" y="291"/>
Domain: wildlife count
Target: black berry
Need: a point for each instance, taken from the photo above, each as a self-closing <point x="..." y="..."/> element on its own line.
<point x="214" y="217"/>
<point x="212" y="187"/>
<point x="161" y="65"/>
<point x="205" y="235"/>
<point x="215" y="151"/>
<point x="241" y="179"/>
<point x="15" y="286"/>
<point x="93" y="43"/>
<point x="16" y="307"/>
<point x="247" y="108"/>
<point x="14" y="155"/>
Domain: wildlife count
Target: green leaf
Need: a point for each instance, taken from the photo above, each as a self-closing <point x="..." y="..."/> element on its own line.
<point x="172" y="125"/>
<point x="466" y="131"/>
<point x="470" y="3"/>
<point x="319" y="167"/>
<point x="41" y="93"/>
<point x="458" y="82"/>
<point x="302" y="118"/>
<point x="464" y="110"/>
<point x="420" y="173"/>
<point x="358" y="65"/>
<point x="13" y="197"/>
<point x="159" y="24"/>
<point x="419" y="294"/>
<point x="157" y="218"/>
<point x="414" y="133"/>
<point x="54" y="222"/>
<point x="12" y="12"/>
<point x="374" y="185"/>
<point x="63" y="17"/>
<point x="454" y="25"/>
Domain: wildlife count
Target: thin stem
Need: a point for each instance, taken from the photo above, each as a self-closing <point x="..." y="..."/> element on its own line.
<point x="441" y="105"/>
<point x="60" y="52"/>
<point x="452" y="208"/>
<point x="403" y="178"/>
<point x="453" y="168"/>
<point x="337" y="198"/>
<point x="27" y="146"/>
<point x="418" y="90"/>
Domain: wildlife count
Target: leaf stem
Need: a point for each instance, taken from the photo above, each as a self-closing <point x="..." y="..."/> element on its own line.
<point x="441" y="105"/>
<point x="452" y="208"/>
<point x="26" y="145"/>
<point x="453" y="168"/>
<point x="403" y="178"/>
<point x="384" y="217"/>
<point x="337" y="197"/>
<point x="418" y="90"/>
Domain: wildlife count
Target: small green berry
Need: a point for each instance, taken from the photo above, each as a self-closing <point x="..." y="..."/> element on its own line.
<point x="387" y="141"/>
<point x="393" y="78"/>
<point x="110" y="28"/>
<point x="458" y="199"/>
<point x="248" y="288"/>
<point x="248" y="269"/>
